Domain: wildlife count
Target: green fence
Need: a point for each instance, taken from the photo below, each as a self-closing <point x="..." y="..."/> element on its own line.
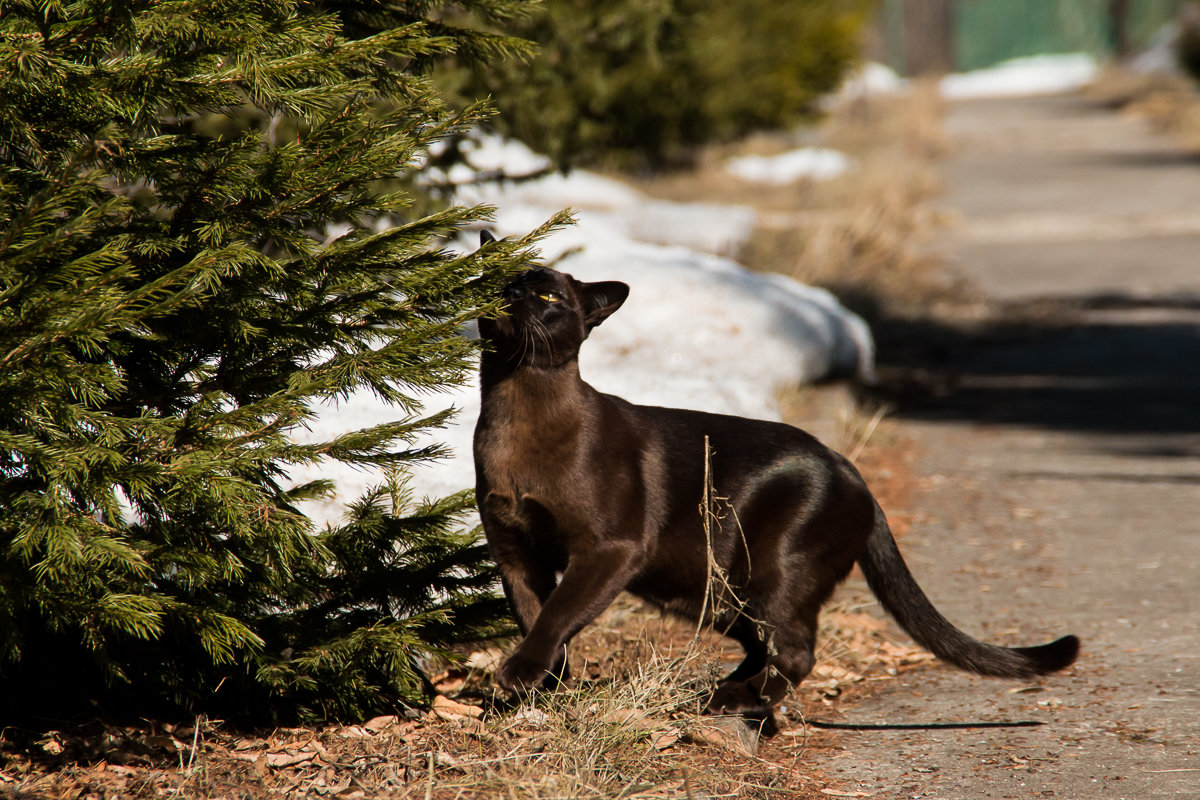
<point x="985" y="32"/>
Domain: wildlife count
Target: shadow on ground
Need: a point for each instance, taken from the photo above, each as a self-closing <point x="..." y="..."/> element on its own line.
<point x="1107" y="364"/>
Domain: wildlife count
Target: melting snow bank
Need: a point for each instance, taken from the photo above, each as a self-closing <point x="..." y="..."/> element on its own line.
<point x="1018" y="77"/>
<point x="698" y="331"/>
<point x="1049" y="74"/>
<point x="608" y="209"/>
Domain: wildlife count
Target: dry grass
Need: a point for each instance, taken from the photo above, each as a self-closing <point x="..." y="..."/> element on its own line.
<point x="870" y="243"/>
<point x="1170" y="103"/>
<point x="865" y="236"/>
<point x="630" y="729"/>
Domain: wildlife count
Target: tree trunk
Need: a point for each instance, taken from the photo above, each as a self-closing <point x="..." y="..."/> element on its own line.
<point x="929" y="36"/>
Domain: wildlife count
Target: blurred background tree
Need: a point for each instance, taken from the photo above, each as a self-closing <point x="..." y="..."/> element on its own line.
<point x="1188" y="43"/>
<point x="204" y="230"/>
<point x="640" y="83"/>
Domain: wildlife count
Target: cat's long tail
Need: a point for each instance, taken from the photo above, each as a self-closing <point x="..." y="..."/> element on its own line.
<point x="897" y="590"/>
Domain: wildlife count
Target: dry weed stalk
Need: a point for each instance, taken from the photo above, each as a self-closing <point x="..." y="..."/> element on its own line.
<point x="860" y="427"/>
<point x="721" y="602"/>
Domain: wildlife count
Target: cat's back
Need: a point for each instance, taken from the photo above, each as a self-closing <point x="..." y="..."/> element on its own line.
<point x="738" y="455"/>
<point x="682" y="428"/>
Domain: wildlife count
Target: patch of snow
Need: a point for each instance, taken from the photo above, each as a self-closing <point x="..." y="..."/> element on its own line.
<point x="1032" y="75"/>
<point x="488" y="153"/>
<point x="816" y="163"/>
<point x="698" y="331"/>
<point x="1029" y="75"/>
<point x="608" y="207"/>
<point x="867" y="79"/>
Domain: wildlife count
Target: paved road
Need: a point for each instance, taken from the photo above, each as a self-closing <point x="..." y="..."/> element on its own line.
<point x="1060" y="471"/>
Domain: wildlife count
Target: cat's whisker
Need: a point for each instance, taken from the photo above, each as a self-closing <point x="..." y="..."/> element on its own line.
<point x="527" y="344"/>
<point x="544" y="334"/>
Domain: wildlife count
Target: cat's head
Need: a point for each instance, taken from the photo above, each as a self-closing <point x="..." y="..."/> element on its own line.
<point x="547" y="315"/>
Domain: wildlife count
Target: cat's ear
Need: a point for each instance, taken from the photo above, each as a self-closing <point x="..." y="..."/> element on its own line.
<point x="485" y="237"/>
<point x="601" y="299"/>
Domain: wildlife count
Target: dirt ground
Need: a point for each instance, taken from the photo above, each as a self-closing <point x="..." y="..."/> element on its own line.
<point x="1058" y="468"/>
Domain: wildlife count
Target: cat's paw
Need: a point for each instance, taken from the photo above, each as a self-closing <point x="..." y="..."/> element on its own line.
<point x="521" y="674"/>
<point x="733" y="697"/>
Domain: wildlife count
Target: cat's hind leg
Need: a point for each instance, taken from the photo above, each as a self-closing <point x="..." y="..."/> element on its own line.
<point x="733" y="694"/>
<point x="791" y="659"/>
<point x="783" y="660"/>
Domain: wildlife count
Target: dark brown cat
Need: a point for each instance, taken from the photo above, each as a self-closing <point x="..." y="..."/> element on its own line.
<point x="607" y="494"/>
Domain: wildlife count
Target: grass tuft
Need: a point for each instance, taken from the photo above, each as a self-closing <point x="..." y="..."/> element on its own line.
<point x="1169" y="103"/>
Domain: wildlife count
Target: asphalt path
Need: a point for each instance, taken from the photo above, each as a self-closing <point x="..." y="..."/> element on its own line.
<point x="1059" y="468"/>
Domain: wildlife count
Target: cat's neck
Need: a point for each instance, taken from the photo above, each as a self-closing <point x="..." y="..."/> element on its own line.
<point x="533" y="390"/>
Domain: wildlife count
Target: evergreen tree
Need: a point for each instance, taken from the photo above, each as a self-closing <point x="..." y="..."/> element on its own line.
<point x="171" y="306"/>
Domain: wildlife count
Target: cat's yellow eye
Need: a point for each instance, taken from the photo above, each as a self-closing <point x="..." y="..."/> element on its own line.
<point x="549" y="297"/>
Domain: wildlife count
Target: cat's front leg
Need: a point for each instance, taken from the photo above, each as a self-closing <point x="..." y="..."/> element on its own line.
<point x="520" y="673"/>
<point x="590" y="583"/>
<point x="526" y="592"/>
<point x="528" y="580"/>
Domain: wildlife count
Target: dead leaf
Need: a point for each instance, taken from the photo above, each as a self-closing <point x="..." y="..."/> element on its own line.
<point x="250" y="744"/>
<point x="839" y="793"/>
<point x="290" y="759"/>
<point x="377" y="724"/>
<point x="169" y="744"/>
<point x="731" y="733"/>
<point x="532" y="716"/>
<point x="295" y="745"/>
<point x="486" y="660"/>
<point x="665" y="739"/>
<point x="451" y="711"/>
<point x="835" y="673"/>
<point x="450" y="680"/>
<point x="51" y="745"/>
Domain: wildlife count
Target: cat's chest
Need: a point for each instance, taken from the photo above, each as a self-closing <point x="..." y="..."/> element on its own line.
<point x="520" y="483"/>
<point x="524" y="462"/>
<point x="524" y="456"/>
